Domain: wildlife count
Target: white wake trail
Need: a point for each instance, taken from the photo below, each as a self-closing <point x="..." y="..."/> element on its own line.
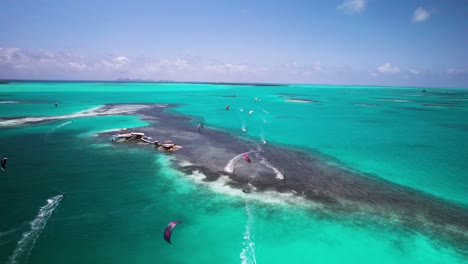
<point x="28" y="239"/>
<point x="55" y="128"/>
<point x="232" y="162"/>
<point x="247" y="254"/>
<point x="279" y="175"/>
<point x="62" y="125"/>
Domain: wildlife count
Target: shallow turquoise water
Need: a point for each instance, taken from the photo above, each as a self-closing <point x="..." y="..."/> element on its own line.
<point x="119" y="199"/>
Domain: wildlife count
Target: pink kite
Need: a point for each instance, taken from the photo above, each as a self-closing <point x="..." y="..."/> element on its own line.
<point x="246" y="158"/>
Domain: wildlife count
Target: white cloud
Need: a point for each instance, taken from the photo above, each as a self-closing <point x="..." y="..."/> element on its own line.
<point x="79" y="66"/>
<point x="456" y="71"/>
<point x="414" y="72"/>
<point x="37" y="60"/>
<point x="421" y="15"/>
<point x="352" y="6"/>
<point x="121" y="60"/>
<point x="388" y="68"/>
<point x="227" y="68"/>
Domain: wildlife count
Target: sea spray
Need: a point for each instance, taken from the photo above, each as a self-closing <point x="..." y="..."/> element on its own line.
<point x="247" y="254"/>
<point x="231" y="163"/>
<point x="28" y="239"/>
<point x="279" y="175"/>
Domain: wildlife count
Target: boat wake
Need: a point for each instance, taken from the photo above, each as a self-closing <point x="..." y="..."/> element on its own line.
<point x="247" y="254"/>
<point x="28" y="239"/>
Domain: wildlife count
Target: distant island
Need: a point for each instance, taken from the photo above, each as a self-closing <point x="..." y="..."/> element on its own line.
<point x="133" y="80"/>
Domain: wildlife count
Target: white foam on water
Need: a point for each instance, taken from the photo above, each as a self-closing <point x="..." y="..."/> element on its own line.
<point x="247" y="254"/>
<point x="279" y="175"/>
<point x="184" y="163"/>
<point x="10" y="102"/>
<point x="28" y="239"/>
<point x="265" y="111"/>
<point x="296" y="101"/>
<point x="222" y="187"/>
<point x="95" y="111"/>
<point x="231" y="163"/>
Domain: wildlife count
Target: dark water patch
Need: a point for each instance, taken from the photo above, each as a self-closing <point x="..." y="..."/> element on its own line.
<point x="211" y="95"/>
<point x="296" y="98"/>
<point x="389" y="112"/>
<point x="441" y="104"/>
<point x="337" y="189"/>
<point x="419" y="146"/>
<point x="289" y="95"/>
<point x="367" y="105"/>
<point x="243" y="84"/>
<point x="418" y="109"/>
<point x="301" y="100"/>
<point x="399" y="100"/>
<point x="462" y="127"/>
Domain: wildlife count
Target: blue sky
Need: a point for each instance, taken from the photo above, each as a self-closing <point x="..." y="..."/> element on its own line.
<point x="369" y="42"/>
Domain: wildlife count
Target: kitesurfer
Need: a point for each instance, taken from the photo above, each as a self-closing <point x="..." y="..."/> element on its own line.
<point x="3" y="163"/>
<point x="227" y="107"/>
<point x="247" y="158"/>
<point x="56" y="104"/>
<point x="200" y="127"/>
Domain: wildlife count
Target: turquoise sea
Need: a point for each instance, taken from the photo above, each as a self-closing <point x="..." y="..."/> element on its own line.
<point x="119" y="199"/>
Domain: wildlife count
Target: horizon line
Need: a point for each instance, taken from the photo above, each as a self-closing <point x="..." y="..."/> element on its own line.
<point x="127" y="80"/>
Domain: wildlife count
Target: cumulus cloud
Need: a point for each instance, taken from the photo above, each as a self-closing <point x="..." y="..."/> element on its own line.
<point x="227" y="68"/>
<point x="457" y="71"/>
<point x="352" y="6"/>
<point x="39" y="60"/>
<point x="121" y="60"/>
<point x="421" y="15"/>
<point x="388" y="68"/>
